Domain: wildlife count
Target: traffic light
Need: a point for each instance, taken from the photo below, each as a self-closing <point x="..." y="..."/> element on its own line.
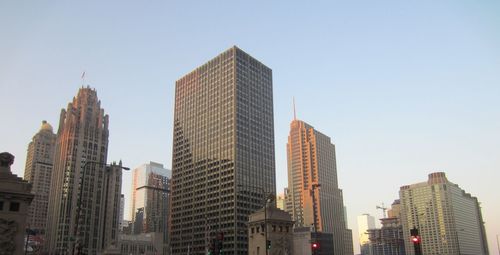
<point x="416" y="240"/>
<point x="268" y="244"/>
<point x="220" y="239"/>
<point x="314" y="246"/>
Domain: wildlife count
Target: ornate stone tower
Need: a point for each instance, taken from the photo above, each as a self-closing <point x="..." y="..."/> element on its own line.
<point x="82" y="207"/>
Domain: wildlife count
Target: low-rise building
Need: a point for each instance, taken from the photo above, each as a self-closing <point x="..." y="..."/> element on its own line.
<point x="15" y="197"/>
<point x="142" y="244"/>
<point x="304" y="237"/>
<point x="276" y="225"/>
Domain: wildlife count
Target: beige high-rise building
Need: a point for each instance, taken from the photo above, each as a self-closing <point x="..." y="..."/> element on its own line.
<point x="223" y="152"/>
<point x="313" y="188"/>
<point x="38" y="172"/>
<point x="365" y="222"/>
<point x="85" y="194"/>
<point x="280" y="201"/>
<point x="448" y="219"/>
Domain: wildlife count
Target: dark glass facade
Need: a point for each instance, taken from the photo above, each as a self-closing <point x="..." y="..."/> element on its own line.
<point x="223" y="152"/>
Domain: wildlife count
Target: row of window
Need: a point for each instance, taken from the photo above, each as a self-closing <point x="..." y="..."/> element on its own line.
<point x="12" y="207"/>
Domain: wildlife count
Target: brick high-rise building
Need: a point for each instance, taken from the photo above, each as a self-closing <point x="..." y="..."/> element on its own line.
<point x="317" y="201"/>
<point x="223" y="152"/>
<point x="85" y="194"/>
<point x="38" y="172"/>
<point x="448" y="219"/>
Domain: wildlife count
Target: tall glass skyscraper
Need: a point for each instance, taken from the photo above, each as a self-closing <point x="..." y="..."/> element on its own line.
<point x="150" y="197"/>
<point x="314" y="193"/>
<point x="223" y="152"/>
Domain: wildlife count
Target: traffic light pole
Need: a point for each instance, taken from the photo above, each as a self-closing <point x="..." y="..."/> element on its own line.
<point x="415" y="238"/>
<point x="313" y="188"/>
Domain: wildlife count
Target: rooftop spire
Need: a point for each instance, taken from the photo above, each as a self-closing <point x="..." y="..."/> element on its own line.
<point x="83" y="78"/>
<point x="294" y="113"/>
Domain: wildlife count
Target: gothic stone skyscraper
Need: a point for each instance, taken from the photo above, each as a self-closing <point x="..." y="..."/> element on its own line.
<point x="312" y="161"/>
<point x="38" y="172"/>
<point x="79" y="169"/>
<point x="223" y="151"/>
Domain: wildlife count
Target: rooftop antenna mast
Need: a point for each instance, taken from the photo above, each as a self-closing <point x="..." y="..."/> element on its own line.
<point x="83" y="79"/>
<point x="294" y="113"/>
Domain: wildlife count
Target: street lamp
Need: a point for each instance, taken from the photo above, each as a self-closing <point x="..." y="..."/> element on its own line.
<point x="79" y="208"/>
<point x="265" y="210"/>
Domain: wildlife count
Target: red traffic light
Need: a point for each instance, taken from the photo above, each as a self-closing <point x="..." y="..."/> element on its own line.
<point x="315" y="245"/>
<point x="415" y="239"/>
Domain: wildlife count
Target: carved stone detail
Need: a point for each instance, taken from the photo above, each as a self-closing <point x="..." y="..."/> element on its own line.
<point x="6" y="159"/>
<point x="8" y="230"/>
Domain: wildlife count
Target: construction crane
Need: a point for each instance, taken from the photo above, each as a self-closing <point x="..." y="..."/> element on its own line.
<point x="383" y="208"/>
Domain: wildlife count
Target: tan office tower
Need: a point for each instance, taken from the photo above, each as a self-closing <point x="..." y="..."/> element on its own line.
<point x="38" y="172"/>
<point x="223" y="152"/>
<point x="312" y="162"/>
<point x="448" y="219"/>
<point x="80" y="177"/>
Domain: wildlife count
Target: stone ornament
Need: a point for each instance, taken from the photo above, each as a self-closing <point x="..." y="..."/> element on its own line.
<point x="8" y="230"/>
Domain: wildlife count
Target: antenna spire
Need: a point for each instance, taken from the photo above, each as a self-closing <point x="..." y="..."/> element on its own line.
<point x="83" y="78"/>
<point x="294" y="113"/>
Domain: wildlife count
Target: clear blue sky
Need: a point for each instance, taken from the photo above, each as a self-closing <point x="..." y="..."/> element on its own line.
<point x="404" y="88"/>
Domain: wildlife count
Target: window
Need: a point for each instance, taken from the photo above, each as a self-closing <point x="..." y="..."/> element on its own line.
<point x="14" y="207"/>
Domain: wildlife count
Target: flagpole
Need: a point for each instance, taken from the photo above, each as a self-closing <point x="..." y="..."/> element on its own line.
<point x="83" y="78"/>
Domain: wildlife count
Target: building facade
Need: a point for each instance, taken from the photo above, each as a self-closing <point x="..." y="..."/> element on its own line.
<point x="280" y="201"/>
<point x="365" y="222"/>
<point x="15" y="198"/>
<point x="273" y="225"/>
<point x="313" y="187"/>
<point x="122" y="222"/>
<point x="288" y="201"/>
<point x="223" y="151"/>
<point x="84" y="198"/>
<point x="303" y="237"/>
<point x="38" y="172"/>
<point x="448" y="219"/>
<point x="142" y="244"/>
<point x="150" y="200"/>
<point x="389" y="239"/>
<point x="150" y="197"/>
